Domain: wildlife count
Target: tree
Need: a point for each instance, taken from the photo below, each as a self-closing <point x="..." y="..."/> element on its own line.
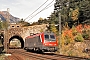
<point x="84" y="10"/>
<point x="24" y="23"/>
<point x="40" y="21"/>
<point x="53" y="29"/>
<point x="0" y="25"/>
<point x="75" y="14"/>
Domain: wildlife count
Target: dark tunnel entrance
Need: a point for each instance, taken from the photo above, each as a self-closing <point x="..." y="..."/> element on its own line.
<point x="16" y="42"/>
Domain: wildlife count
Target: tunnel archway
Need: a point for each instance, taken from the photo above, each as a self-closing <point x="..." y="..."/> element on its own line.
<point x="19" y="38"/>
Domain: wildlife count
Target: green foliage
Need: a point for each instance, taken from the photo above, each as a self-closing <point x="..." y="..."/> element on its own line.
<point x="0" y="25"/>
<point x="40" y="21"/>
<point x="84" y="9"/>
<point x="75" y="14"/>
<point x="3" y="25"/>
<point x="70" y="53"/>
<point x="74" y="31"/>
<point x="40" y="18"/>
<point x="24" y="23"/>
<point x="41" y="30"/>
<point x="79" y="38"/>
<point x="86" y="34"/>
<point x="53" y="19"/>
<point x="67" y="40"/>
<point x="53" y="29"/>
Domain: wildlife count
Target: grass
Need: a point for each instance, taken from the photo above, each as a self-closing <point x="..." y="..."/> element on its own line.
<point x="2" y="56"/>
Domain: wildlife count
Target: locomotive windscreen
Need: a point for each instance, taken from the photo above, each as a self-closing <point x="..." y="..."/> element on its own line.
<point x="46" y="36"/>
<point x="50" y="37"/>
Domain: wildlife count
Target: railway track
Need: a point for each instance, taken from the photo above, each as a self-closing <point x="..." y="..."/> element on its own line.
<point x="67" y="57"/>
<point x="44" y="56"/>
<point x="13" y="57"/>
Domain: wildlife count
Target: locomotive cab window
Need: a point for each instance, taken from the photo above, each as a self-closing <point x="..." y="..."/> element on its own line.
<point x="49" y="37"/>
<point x="46" y="36"/>
<point x="52" y="36"/>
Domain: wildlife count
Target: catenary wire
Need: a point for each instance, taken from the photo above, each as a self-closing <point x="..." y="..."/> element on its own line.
<point x="42" y="10"/>
<point x="37" y="9"/>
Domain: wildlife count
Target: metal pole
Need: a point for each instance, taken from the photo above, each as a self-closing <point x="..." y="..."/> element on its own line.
<point x="59" y="14"/>
<point x="59" y="23"/>
<point x="8" y="16"/>
<point x="6" y="32"/>
<point x="59" y="18"/>
<point x="5" y="40"/>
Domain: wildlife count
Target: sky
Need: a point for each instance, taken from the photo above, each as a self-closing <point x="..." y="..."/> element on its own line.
<point x="24" y="8"/>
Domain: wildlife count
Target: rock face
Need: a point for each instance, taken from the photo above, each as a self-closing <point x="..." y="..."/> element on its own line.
<point x="4" y="15"/>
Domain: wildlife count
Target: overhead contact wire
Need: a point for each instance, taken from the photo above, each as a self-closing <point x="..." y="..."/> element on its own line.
<point x="42" y="10"/>
<point x="36" y="9"/>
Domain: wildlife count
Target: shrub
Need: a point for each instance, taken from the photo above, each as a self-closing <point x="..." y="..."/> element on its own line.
<point x="67" y="40"/>
<point x="74" y="31"/>
<point x="85" y="36"/>
<point x="79" y="38"/>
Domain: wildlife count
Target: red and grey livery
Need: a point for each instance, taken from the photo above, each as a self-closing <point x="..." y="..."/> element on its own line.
<point x="45" y="42"/>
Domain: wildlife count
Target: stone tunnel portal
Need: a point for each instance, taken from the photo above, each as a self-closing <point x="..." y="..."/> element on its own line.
<point x="16" y="40"/>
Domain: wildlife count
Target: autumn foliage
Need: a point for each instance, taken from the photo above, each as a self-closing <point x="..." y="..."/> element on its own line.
<point x="75" y="14"/>
<point x="71" y="33"/>
<point x="70" y="38"/>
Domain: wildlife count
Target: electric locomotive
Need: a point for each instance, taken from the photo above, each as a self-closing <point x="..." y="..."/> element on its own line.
<point x="43" y="42"/>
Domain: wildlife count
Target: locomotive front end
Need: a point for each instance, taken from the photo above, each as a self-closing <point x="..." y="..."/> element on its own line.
<point x="50" y="42"/>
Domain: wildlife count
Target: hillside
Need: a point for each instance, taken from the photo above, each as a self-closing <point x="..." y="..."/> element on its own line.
<point x="3" y="17"/>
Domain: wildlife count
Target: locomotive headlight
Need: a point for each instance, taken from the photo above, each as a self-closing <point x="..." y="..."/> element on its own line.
<point x="54" y="44"/>
<point x="45" y="44"/>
